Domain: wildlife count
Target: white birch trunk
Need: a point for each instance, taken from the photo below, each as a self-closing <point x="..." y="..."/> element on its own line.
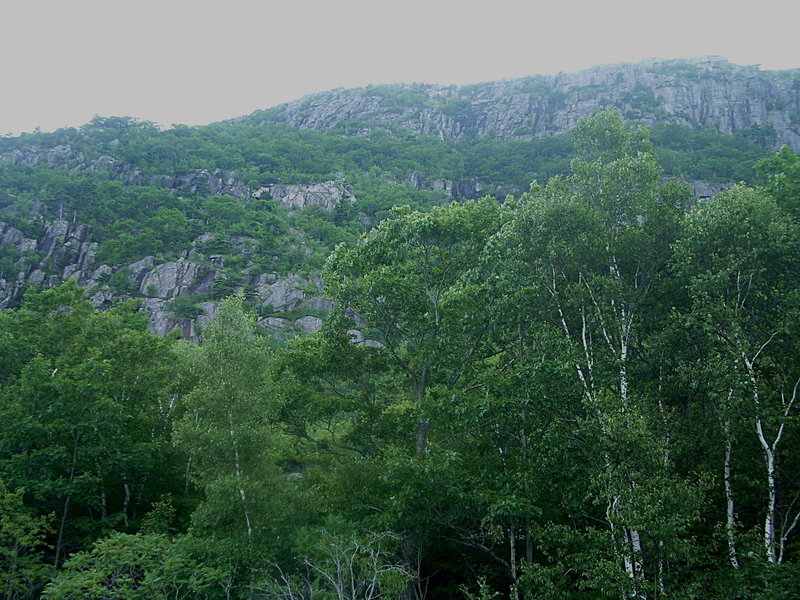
<point x="638" y="565"/>
<point x="769" y="519"/>
<point x="769" y="462"/>
<point x="629" y="541"/>
<point x="730" y="515"/>
<point x="238" y="470"/>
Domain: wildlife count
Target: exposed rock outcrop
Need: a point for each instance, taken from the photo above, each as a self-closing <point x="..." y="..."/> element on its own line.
<point x="65" y="250"/>
<point x="707" y="92"/>
<point x="704" y="190"/>
<point x="296" y="196"/>
<point x="215" y="182"/>
<point x="179" y="278"/>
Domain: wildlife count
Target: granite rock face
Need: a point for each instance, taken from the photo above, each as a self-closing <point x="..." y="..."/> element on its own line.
<point x="297" y="196"/>
<point x="180" y="278"/>
<point x="704" y="93"/>
<point x="707" y="92"/>
<point x="61" y="251"/>
<point x="65" y="250"/>
<point x="704" y="190"/>
<point x="214" y="182"/>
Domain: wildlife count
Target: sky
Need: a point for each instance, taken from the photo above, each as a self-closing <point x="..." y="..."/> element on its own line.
<point x="195" y="62"/>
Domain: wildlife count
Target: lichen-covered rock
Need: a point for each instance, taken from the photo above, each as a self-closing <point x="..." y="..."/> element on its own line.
<point x="214" y="182"/>
<point x="318" y="304"/>
<point x="704" y="190"/>
<point x="355" y="336"/>
<point x="309" y="324"/>
<point x="280" y="295"/>
<point x="457" y="189"/>
<point x="276" y="326"/>
<point x="296" y="196"/>
<point x="36" y="278"/>
<point x="141" y="266"/>
<point x="162" y="321"/>
<point x="707" y="92"/>
<point x="64" y="242"/>
<point x="102" y="298"/>
<point x="10" y="236"/>
<point x="208" y="316"/>
<point x="177" y="278"/>
<point x="55" y="234"/>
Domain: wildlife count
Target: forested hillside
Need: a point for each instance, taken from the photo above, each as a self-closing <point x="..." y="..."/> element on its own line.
<point x="416" y="374"/>
<point x="184" y="216"/>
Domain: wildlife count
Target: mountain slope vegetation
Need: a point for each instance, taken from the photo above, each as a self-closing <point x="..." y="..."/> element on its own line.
<point x="267" y="196"/>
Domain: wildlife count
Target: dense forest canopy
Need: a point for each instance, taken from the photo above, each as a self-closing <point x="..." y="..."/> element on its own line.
<point x="586" y="390"/>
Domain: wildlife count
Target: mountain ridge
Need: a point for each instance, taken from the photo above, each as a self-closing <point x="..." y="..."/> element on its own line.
<point x="705" y="92"/>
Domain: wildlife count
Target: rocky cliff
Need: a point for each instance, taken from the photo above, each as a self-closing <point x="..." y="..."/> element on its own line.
<point x="707" y="92"/>
<point x="177" y="295"/>
<point x="216" y="182"/>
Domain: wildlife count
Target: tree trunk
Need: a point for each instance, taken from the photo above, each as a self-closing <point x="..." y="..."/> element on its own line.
<point x="769" y="519"/>
<point x="125" y="503"/>
<point x="730" y="521"/>
<point x="638" y="565"/>
<point x="238" y="471"/>
<point x="423" y="426"/>
<point x="769" y="463"/>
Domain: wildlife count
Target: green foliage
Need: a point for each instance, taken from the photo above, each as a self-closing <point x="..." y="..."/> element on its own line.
<point x="21" y="537"/>
<point x="120" y="282"/>
<point x="85" y="422"/>
<point x="642" y="100"/>
<point x="484" y="592"/>
<point x="456" y="107"/>
<point x="227" y="428"/>
<point x="703" y="155"/>
<point x="136" y="567"/>
<point x="781" y="176"/>
<point x="172" y="177"/>
<point x="185" y="307"/>
<point x="411" y="279"/>
<point x="398" y="96"/>
<point x="682" y="69"/>
<point x="339" y="562"/>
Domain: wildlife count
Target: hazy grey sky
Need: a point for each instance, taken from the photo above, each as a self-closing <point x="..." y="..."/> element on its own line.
<point x="195" y="62"/>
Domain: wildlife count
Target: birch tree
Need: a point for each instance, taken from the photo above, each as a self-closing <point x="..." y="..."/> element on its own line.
<point x="82" y="425"/>
<point x="740" y="259"/>
<point x="339" y="563"/>
<point x="226" y="430"/>
<point x="588" y="250"/>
